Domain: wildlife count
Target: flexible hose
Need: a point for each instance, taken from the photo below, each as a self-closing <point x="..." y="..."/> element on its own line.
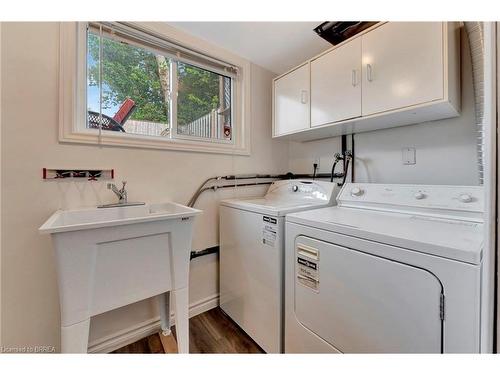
<point x="192" y="202"/>
<point x="249" y="176"/>
<point x="475" y="35"/>
<point x="197" y="193"/>
<point x="338" y="157"/>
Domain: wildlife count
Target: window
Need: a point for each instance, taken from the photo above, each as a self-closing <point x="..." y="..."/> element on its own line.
<point x="137" y="88"/>
<point x="134" y="90"/>
<point x="203" y="103"/>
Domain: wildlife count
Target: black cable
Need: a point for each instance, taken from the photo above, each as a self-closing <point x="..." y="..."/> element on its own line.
<point x="352" y="157"/>
<point x="343" y="150"/>
<point x="332" y="175"/>
<point x="315" y="167"/>
<point x="345" y="172"/>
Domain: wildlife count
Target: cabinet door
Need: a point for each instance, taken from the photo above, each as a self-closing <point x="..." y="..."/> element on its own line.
<point x="291" y="101"/>
<point x="336" y="84"/>
<point x="402" y="65"/>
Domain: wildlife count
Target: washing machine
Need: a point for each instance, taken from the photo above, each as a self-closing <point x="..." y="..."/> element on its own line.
<point x="390" y="269"/>
<point x="252" y="251"/>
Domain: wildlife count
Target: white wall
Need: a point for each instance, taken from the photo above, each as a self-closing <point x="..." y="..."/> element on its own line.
<point x="445" y="149"/>
<point x="30" y="311"/>
<point x="498" y="195"/>
<point x="29" y="69"/>
<point x="0" y="184"/>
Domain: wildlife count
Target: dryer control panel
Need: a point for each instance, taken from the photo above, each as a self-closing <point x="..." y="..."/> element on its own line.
<point x="448" y="200"/>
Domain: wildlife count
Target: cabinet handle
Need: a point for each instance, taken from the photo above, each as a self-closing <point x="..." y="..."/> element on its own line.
<point x="303" y="96"/>
<point x="354" y="78"/>
<point x="369" y="72"/>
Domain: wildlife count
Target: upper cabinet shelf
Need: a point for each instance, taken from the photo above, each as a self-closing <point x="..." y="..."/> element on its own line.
<point x="393" y="74"/>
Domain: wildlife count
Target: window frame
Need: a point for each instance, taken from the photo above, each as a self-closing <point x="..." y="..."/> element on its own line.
<point x="174" y="104"/>
<point x="73" y="98"/>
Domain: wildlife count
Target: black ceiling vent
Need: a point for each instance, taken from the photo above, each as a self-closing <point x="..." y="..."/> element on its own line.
<point x="337" y="32"/>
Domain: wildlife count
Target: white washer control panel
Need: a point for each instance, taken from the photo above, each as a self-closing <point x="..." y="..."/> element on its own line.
<point x="301" y="189"/>
<point x="459" y="198"/>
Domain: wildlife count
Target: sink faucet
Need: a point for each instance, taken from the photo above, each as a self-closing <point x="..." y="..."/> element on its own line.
<point x="121" y="193"/>
<point x="122" y="197"/>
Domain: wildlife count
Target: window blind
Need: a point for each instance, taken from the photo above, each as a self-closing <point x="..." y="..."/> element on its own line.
<point x="136" y="35"/>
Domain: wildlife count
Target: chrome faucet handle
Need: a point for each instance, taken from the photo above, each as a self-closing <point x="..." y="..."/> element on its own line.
<point x="123" y="193"/>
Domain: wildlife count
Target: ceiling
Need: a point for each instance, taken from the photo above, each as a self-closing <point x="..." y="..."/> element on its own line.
<point x="276" y="46"/>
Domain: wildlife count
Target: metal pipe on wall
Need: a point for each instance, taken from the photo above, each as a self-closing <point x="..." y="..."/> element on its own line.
<point x="202" y="188"/>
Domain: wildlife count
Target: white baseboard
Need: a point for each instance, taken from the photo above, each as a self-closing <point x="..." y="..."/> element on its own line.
<point x="138" y="331"/>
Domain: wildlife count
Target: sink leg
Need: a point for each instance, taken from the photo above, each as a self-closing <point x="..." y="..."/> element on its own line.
<point x="75" y="338"/>
<point x="181" y="300"/>
<point x="164" y="300"/>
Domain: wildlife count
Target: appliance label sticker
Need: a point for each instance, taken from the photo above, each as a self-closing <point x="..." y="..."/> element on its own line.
<point x="269" y="232"/>
<point x="307" y="271"/>
<point x="271" y="220"/>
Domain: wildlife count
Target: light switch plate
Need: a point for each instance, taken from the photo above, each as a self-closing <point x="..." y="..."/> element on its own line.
<point x="409" y="155"/>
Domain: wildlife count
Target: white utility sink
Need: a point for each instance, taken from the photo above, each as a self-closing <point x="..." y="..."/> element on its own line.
<point x="111" y="257"/>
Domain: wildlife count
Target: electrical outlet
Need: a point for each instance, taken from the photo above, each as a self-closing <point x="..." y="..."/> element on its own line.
<point x="317" y="161"/>
<point x="408" y="155"/>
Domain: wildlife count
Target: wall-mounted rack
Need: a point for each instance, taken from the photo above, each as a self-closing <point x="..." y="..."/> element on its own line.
<point x="80" y="174"/>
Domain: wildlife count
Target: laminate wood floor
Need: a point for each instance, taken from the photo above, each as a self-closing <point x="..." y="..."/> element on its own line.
<point x="210" y="332"/>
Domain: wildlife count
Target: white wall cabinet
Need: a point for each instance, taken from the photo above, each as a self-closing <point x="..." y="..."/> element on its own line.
<point x="402" y="65"/>
<point x="292" y="101"/>
<point x="393" y="74"/>
<point x="336" y="85"/>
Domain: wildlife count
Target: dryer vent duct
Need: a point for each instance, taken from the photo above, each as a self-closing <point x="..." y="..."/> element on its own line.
<point x="475" y="35"/>
<point x="336" y="32"/>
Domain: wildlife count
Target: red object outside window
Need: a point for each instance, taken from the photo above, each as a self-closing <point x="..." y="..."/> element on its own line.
<point x="124" y="111"/>
<point x="227" y="131"/>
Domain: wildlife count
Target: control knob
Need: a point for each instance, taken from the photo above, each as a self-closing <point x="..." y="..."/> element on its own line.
<point x="465" y="198"/>
<point x="419" y="195"/>
<point x="356" y="192"/>
<point x="295" y="188"/>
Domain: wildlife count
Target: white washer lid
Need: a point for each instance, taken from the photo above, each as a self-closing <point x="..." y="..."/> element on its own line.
<point x="454" y="239"/>
<point x="270" y="207"/>
<point x="286" y="196"/>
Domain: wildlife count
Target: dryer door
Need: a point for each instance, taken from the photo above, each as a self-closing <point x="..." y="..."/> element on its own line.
<point x="361" y="303"/>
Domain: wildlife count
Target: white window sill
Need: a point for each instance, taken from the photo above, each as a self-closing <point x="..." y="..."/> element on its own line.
<point x="133" y="140"/>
